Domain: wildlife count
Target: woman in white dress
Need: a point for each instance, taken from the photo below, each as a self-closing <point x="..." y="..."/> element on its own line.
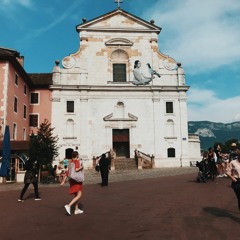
<point x="139" y="78"/>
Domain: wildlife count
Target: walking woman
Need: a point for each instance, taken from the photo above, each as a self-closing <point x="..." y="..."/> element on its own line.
<point x="75" y="187"/>
<point x="233" y="172"/>
<point x="31" y="176"/>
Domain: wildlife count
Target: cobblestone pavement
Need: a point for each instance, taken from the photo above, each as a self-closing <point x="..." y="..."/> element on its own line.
<point x="93" y="177"/>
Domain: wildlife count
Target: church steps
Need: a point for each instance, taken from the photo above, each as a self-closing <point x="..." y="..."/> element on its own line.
<point x="125" y="164"/>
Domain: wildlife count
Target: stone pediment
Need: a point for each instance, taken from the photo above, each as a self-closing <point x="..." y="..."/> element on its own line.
<point x="111" y="117"/>
<point x="119" y="42"/>
<point x="118" y="20"/>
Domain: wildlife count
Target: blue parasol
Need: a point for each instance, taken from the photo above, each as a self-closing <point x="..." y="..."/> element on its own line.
<point x="6" y="152"/>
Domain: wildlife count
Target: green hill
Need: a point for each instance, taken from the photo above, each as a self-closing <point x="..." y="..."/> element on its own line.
<point x="211" y="132"/>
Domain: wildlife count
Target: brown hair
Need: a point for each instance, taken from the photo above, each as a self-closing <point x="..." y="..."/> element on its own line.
<point x="75" y="154"/>
<point x="136" y="63"/>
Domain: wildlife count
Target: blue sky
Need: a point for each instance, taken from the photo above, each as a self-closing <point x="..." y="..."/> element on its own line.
<point x="203" y="35"/>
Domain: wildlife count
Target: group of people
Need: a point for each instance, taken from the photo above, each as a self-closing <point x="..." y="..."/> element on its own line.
<point x="225" y="165"/>
<point x="221" y="165"/>
<point x="60" y="170"/>
<point x="218" y="161"/>
<point x="31" y="177"/>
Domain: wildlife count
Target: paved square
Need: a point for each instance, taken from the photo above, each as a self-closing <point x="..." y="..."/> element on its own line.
<point x="169" y="208"/>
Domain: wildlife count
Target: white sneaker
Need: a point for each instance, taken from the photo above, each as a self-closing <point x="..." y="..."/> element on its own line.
<point x="78" y="211"/>
<point x="38" y="199"/>
<point x="20" y="200"/>
<point x="68" y="209"/>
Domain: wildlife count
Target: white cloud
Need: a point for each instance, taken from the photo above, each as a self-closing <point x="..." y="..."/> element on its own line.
<point x="200" y="34"/>
<point x="204" y="36"/>
<point x="11" y="3"/>
<point x="60" y="17"/>
<point x="204" y="105"/>
<point x="10" y="9"/>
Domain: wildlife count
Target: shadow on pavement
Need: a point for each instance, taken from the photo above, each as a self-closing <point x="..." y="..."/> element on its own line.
<point x="218" y="212"/>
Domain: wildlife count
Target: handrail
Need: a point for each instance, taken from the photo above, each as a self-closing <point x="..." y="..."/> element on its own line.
<point x="142" y="157"/>
<point x="144" y="154"/>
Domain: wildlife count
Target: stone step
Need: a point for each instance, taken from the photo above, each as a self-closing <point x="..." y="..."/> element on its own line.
<point x="125" y="164"/>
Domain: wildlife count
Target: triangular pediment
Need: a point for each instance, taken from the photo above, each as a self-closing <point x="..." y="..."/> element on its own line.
<point x="118" y="20"/>
<point x="130" y="117"/>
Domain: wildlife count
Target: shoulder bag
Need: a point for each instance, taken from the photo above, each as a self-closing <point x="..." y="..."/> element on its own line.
<point x="77" y="176"/>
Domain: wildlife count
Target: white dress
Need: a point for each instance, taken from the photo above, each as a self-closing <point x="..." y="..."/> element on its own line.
<point x="139" y="78"/>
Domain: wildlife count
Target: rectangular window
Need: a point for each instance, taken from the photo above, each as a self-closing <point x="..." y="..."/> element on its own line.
<point x="119" y="72"/>
<point x="14" y="131"/>
<point x="15" y="104"/>
<point x="20" y="165"/>
<point x="25" y="89"/>
<point x="169" y="107"/>
<point x="70" y="106"/>
<point x="33" y="120"/>
<point x="24" y="111"/>
<point x="34" y="98"/>
<point x="16" y="79"/>
<point x="24" y="134"/>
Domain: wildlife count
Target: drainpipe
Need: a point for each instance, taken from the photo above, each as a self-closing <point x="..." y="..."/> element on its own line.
<point x="180" y="131"/>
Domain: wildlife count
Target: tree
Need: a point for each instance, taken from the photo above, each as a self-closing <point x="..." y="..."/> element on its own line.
<point x="43" y="145"/>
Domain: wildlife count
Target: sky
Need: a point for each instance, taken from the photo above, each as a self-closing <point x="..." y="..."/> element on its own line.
<point x="203" y="35"/>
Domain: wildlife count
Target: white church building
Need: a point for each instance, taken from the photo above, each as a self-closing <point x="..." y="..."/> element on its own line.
<point x="96" y="107"/>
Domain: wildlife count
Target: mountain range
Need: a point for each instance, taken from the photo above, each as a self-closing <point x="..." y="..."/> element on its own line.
<point x="211" y="132"/>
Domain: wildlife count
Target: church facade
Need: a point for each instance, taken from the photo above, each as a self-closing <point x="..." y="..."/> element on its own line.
<point x="97" y="107"/>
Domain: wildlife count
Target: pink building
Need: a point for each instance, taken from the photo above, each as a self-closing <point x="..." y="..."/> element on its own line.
<point x="25" y="103"/>
<point x="40" y="107"/>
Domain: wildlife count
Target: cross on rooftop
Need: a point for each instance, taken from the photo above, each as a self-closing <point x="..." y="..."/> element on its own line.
<point x="118" y="2"/>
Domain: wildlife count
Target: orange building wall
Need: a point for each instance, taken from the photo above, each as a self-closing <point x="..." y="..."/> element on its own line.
<point x="44" y="108"/>
<point x="23" y="99"/>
